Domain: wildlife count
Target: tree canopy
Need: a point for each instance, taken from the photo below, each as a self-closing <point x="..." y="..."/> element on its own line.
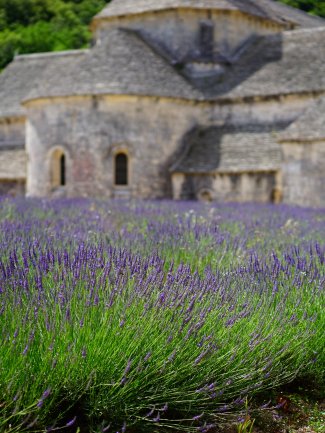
<point x="314" y="7"/>
<point x="29" y="26"/>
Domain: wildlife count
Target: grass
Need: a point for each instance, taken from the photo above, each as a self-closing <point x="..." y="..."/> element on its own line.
<point x="137" y="316"/>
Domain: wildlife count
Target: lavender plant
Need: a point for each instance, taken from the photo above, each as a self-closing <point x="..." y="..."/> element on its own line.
<point x="121" y="315"/>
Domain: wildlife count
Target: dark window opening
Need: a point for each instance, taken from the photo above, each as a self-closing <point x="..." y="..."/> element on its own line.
<point x="62" y="170"/>
<point x="206" y="39"/>
<point x="121" y="169"/>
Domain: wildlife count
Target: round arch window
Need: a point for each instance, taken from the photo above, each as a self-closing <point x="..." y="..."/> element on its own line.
<point x="58" y="169"/>
<point x="121" y="169"/>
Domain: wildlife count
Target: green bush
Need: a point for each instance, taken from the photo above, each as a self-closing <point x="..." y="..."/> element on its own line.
<point x="29" y="26"/>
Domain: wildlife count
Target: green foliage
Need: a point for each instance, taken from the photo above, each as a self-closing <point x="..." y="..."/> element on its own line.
<point x="29" y="26"/>
<point x="107" y="335"/>
<point x="314" y="7"/>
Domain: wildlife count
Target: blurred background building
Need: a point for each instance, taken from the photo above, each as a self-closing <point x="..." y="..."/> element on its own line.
<point x="209" y="99"/>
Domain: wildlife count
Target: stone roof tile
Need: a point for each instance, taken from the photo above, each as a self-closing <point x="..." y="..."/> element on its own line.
<point x="267" y="9"/>
<point x="23" y="74"/>
<point x="286" y="63"/>
<point x="123" y="65"/>
<point x="309" y="126"/>
<point x="229" y="149"/>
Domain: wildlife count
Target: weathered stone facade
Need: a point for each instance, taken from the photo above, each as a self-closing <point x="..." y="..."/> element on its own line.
<point x="13" y="157"/>
<point x="217" y="101"/>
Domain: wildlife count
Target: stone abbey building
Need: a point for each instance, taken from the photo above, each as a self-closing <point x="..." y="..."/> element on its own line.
<point x="185" y="99"/>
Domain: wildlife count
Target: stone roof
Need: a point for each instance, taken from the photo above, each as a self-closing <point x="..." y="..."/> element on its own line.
<point x="286" y="63"/>
<point x="266" y="9"/>
<point x="309" y="126"/>
<point x="123" y="65"/>
<point x="23" y="74"/>
<point x="229" y="149"/>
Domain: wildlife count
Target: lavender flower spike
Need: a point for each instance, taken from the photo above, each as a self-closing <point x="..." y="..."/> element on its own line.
<point x="70" y="423"/>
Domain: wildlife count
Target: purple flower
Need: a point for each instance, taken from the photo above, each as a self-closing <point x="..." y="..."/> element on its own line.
<point x="157" y="419"/>
<point x="70" y="423"/>
<point x="45" y="394"/>
<point x="150" y="413"/>
<point x="146" y="358"/>
<point x="223" y="409"/>
<point x="128" y="367"/>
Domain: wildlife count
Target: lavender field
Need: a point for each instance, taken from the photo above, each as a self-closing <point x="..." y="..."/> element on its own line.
<point x="145" y="316"/>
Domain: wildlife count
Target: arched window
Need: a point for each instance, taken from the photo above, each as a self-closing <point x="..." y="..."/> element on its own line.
<point x="62" y="169"/>
<point x="121" y="169"/>
<point x="58" y="169"/>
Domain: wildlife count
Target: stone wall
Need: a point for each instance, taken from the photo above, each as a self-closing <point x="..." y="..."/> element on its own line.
<point x="92" y="130"/>
<point x="226" y="187"/>
<point x="12" y="170"/>
<point x="13" y="157"/>
<point x="304" y="173"/>
<point x="12" y="188"/>
<point x="13" y="164"/>
<point x="179" y="30"/>
<point x="12" y="133"/>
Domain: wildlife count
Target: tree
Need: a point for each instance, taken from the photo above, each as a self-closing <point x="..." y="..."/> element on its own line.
<point x="29" y="26"/>
<point x="314" y="7"/>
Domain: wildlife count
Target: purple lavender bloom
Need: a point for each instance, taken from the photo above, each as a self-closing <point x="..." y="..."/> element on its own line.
<point x="264" y="406"/>
<point x="70" y="423"/>
<point x="200" y="357"/>
<point x="40" y="403"/>
<point x="224" y="408"/>
<point x="46" y="393"/>
<point x="157" y="418"/>
<point x="150" y="413"/>
<point x="147" y="357"/>
<point x="172" y="356"/>
<point x="128" y="367"/>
